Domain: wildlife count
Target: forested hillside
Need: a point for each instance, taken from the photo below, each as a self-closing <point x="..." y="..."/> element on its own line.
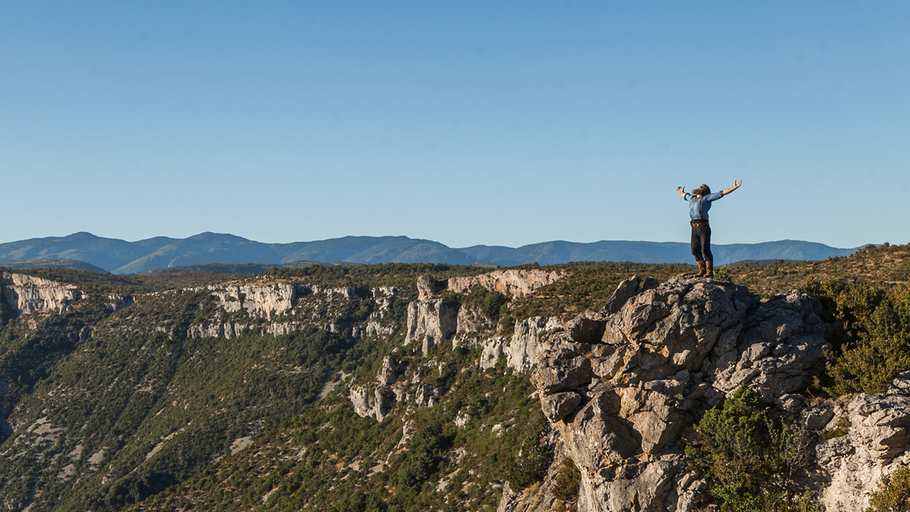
<point x="345" y="388"/>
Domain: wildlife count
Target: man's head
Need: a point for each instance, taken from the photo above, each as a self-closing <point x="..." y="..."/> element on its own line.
<point x="703" y="190"/>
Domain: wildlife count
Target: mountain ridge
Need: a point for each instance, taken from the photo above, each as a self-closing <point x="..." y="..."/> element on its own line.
<point x="123" y="257"/>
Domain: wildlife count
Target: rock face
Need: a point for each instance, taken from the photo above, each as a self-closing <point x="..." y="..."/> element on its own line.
<point x="520" y="350"/>
<point x="431" y="321"/>
<point x="873" y="445"/>
<point x="27" y="294"/>
<point x="374" y="401"/>
<point x="667" y="354"/>
<point x="512" y="282"/>
<point x="261" y="301"/>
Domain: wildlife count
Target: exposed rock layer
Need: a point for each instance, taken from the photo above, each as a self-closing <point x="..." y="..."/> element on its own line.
<point x="28" y="294"/>
<point x="666" y="355"/>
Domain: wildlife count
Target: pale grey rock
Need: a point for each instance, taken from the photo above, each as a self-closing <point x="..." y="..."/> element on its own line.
<point x="376" y="401"/>
<point x="430" y="322"/>
<point x="344" y="293"/>
<point x="667" y="354"/>
<point x="28" y="294"/>
<point x="259" y="300"/>
<point x="521" y="353"/>
<point x="380" y="292"/>
<point x="387" y="373"/>
<point x="428" y="286"/>
<point x="559" y="405"/>
<point x="223" y="330"/>
<point x="492" y="351"/>
<point x="118" y="302"/>
<point x="471" y="320"/>
<point x="427" y="395"/>
<point x="511" y="282"/>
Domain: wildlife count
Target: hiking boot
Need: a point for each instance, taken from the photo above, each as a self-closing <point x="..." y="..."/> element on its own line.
<point x="702" y="269"/>
<point x="709" y="269"/>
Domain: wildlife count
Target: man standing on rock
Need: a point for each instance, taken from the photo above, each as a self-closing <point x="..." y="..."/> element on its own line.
<point x="699" y="203"/>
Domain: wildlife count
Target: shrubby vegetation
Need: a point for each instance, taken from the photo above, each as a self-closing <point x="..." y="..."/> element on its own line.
<point x="871" y="336"/>
<point x="752" y="459"/>
<point x="894" y="495"/>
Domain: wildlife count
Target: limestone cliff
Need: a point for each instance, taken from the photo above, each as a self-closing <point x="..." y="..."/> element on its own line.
<point x="511" y="282"/>
<point x="28" y="294"/>
<point x="624" y="388"/>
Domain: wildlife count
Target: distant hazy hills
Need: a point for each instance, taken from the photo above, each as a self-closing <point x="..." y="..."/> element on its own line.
<point x="122" y="257"/>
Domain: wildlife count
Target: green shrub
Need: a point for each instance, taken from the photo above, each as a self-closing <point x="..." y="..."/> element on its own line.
<point x="894" y="494"/>
<point x="839" y="430"/>
<point x="568" y="480"/>
<point x="528" y="464"/>
<point x="752" y="461"/>
<point x="422" y="459"/>
<point x="492" y="303"/>
<point x="723" y="274"/>
<point x="871" y="336"/>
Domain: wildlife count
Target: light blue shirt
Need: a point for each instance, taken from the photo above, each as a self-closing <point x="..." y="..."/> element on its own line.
<point x="698" y="207"/>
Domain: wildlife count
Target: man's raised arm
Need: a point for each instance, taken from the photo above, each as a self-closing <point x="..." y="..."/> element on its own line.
<point x="735" y="186"/>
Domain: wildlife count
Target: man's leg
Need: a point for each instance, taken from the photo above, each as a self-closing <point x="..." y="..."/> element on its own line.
<point x="706" y="249"/>
<point x="696" y="251"/>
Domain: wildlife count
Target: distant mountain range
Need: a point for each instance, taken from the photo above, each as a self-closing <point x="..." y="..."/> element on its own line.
<point x="122" y="257"/>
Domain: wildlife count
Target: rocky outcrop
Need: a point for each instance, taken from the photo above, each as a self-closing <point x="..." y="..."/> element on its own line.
<point x="435" y="317"/>
<point x="28" y="294"/>
<point x="376" y="401"/>
<point x="430" y="322"/>
<point x="512" y="282"/>
<point x="259" y="300"/>
<point x="428" y="286"/>
<point x="667" y="354"/>
<point x="875" y="432"/>
<point x="520" y="350"/>
<point x="118" y="302"/>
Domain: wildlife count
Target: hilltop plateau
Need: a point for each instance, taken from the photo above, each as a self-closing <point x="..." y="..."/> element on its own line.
<point x="393" y="387"/>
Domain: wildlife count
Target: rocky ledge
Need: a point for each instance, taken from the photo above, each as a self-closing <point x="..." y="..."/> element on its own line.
<point x="625" y="385"/>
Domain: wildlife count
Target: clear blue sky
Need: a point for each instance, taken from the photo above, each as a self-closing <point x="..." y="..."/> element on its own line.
<point x="468" y="122"/>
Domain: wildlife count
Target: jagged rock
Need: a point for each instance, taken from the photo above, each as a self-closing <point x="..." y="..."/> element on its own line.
<point x="118" y="302"/>
<point x="427" y="286"/>
<point x="587" y="327"/>
<point x="471" y="320"/>
<point x="225" y="330"/>
<point x="431" y="322"/>
<point x="625" y="291"/>
<point x="667" y="354"/>
<point x="376" y="401"/>
<point x="562" y="366"/>
<point x="492" y="351"/>
<point x="521" y="352"/>
<point x="259" y="300"/>
<point x="28" y="294"/>
<point x="512" y="282"/>
<point x="387" y="374"/>
<point x="559" y="405"/>
<point x="781" y="341"/>
<point x="874" y="445"/>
